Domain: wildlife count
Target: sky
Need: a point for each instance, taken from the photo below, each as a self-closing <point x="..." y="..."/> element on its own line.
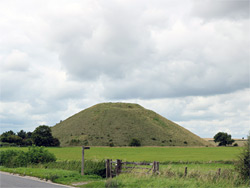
<point x="188" y="60"/>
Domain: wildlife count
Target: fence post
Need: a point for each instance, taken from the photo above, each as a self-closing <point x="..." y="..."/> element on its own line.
<point x="82" y="169"/>
<point x="157" y="167"/>
<point x="118" y="166"/>
<point x="185" y="174"/>
<point x="219" y="170"/>
<point x="108" y="168"/>
<point x="154" y="167"/>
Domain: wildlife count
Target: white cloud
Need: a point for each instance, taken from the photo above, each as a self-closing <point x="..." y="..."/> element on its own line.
<point x="187" y="60"/>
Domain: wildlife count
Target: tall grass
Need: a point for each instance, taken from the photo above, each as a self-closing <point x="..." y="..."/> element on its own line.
<point x="90" y="167"/>
<point x="170" y="178"/>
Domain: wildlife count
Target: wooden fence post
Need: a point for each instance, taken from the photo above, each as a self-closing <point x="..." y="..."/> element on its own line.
<point x="82" y="169"/>
<point x="219" y="170"/>
<point x="108" y="168"/>
<point x="118" y="167"/>
<point x="154" y="167"/>
<point x="157" y="167"/>
<point x="185" y="174"/>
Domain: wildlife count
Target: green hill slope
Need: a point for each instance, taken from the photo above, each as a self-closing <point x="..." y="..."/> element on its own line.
<point x="117" y="123"/>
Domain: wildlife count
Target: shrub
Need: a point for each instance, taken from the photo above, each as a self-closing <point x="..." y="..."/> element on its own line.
<point x="7" y="158"/>
<point x="12" y="158"/>
<point x="243" y="164"/>
<point x="135" y="142"/>
<point x="39" y="155"/>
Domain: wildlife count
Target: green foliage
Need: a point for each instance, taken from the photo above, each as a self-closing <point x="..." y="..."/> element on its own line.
<point x="90" y="167"/>
<point x="20" y="139"/>
<point x="35" y="155"/>
<point x="39" y="155"/>
<point x="95" y="167"/>
<point x="22" y="134"/>
<point x="224" y="139"/>
<point x="243" y="163"/>
<point x="8" y="157"/>
<point x="42" y="137"/>
<point x="135" y="142"/>
<point x="11" y="137"/>
<point x="120" y="122"/>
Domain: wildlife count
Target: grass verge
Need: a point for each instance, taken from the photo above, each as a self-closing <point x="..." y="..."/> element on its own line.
<point x="65" y="177"/>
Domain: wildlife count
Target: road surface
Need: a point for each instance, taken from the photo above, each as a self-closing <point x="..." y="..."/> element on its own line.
<point x="14" y="181"/>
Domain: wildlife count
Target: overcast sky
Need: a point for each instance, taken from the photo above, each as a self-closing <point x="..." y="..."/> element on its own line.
<point x="188" y="60"/>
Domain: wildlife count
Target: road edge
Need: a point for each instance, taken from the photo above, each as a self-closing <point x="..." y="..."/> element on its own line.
<point x="34" y="178"/>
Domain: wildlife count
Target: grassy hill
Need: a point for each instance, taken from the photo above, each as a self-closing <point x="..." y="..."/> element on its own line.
<point x="117" y="123"/>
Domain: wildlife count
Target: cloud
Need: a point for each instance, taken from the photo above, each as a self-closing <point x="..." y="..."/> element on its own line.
<point x="187" y="60"/>
<point x="206" y="115"/>
<point x="134" y="57"/>
<point x="211" y="9"/>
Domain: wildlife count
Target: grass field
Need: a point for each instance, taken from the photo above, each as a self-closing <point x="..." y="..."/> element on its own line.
<point x="161" y="154"/>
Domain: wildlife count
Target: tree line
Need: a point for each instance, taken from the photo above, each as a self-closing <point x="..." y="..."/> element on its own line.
<point x="41" y="136"/>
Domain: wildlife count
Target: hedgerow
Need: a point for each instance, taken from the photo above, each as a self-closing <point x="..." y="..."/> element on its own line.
<point x="35" y="155"/>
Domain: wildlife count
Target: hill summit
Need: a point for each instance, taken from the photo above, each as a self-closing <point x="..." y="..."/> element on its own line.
<point x="115" y="124"/>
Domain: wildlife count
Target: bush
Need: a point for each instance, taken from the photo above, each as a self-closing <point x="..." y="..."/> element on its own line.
<point x="243" y="164"/>
<point x="39" y="155"/>
<point x="8" y="157"/>
<point x="135" y="142"/>
<point x="35" y="155"/>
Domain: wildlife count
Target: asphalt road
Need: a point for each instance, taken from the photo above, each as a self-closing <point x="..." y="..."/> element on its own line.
<point x="14" y="181"/>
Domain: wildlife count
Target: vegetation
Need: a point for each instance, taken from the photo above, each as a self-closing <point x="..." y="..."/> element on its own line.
<point x="170" y="178"/>
<point x="243" y="164"/>
<point x="135" y="142"/>
<point x="21" y="138"/>
<point x="42" y="137"/>
<point x="114" y="124"/>
<point x="224" y="139"/>
<point x="34" y="155"/>
<point x="166" y="155"/>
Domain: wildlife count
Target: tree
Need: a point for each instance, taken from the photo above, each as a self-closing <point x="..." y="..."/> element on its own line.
<point x="243" y="164"/>
<point x="223" y="139"/>
<point x="42" y="137"/>
<point x="5" y="136"/>
<point x="22" y="134"/>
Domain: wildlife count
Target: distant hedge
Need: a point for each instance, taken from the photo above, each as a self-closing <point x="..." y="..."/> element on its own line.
<point x="35" y="155"/>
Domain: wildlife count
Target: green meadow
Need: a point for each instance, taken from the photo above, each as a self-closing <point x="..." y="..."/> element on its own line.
<point x="161" y="154"/>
